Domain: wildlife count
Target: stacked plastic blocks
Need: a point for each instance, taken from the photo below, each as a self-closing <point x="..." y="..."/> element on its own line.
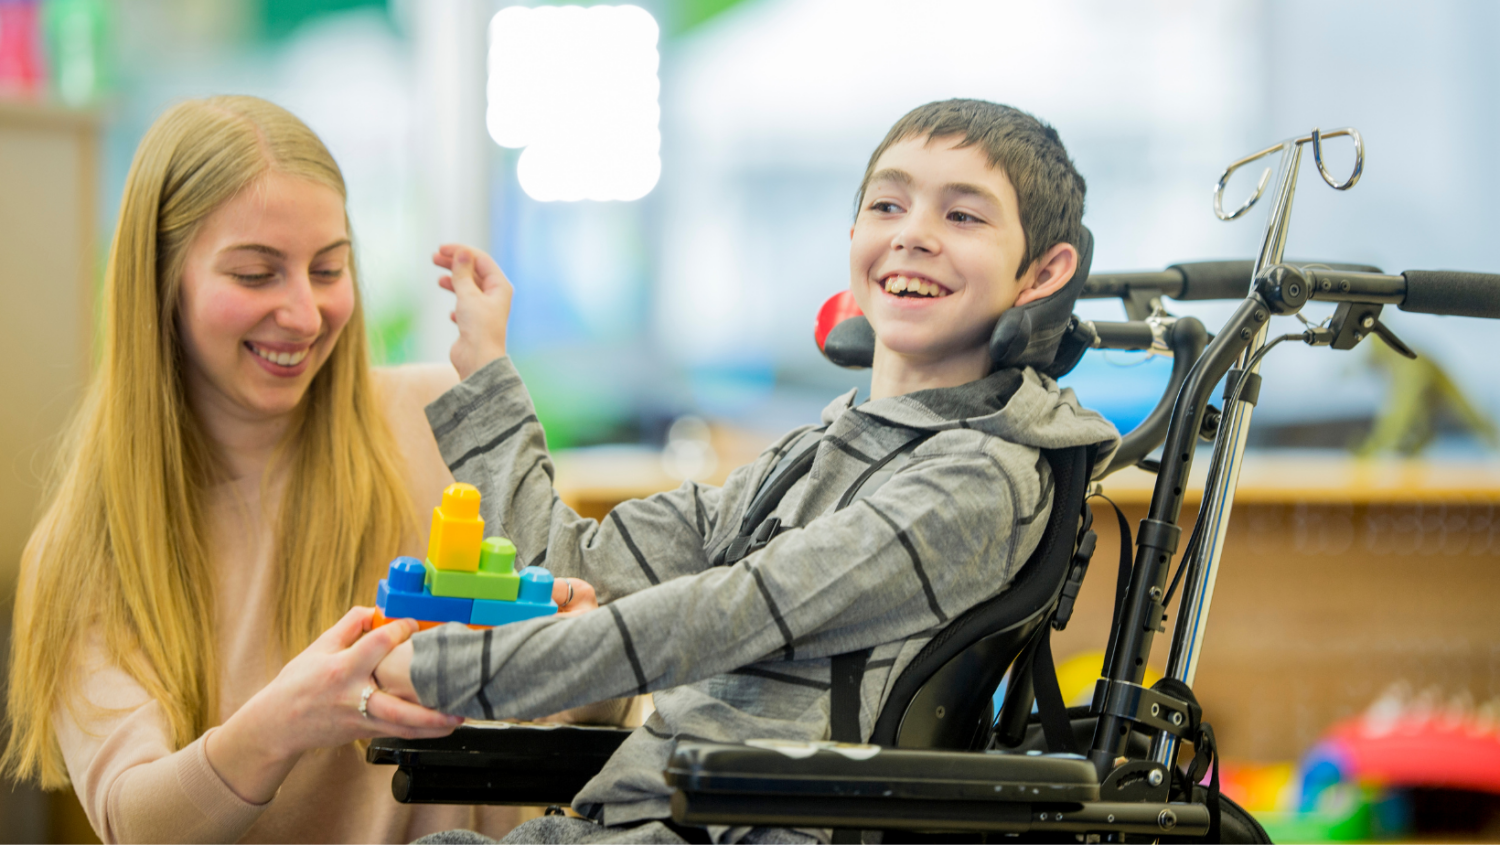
<point x="467" y="577"/>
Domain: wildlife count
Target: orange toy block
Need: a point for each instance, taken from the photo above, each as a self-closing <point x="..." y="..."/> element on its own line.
<point x="457" y="530"/>
<point x="422" y="624"/>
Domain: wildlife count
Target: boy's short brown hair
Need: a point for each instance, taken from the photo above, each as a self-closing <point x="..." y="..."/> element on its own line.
<point x="1049" y="189"/>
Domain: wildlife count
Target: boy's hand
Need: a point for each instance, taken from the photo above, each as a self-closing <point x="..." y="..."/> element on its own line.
<point x="483" y="306"/>
<point x="393" y="673"/>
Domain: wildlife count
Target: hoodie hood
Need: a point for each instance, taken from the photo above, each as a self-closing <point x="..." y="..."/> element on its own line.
<point x="1018" y="405"/>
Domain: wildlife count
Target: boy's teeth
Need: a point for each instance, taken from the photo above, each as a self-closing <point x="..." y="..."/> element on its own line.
<point x="285" y="359"/>
<point x="904" y="284"/>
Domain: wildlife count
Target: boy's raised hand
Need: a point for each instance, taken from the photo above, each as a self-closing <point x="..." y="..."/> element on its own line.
<point x="483" y="306"/>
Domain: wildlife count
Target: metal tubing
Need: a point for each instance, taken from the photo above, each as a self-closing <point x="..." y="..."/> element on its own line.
<point x="1130" y="643"/>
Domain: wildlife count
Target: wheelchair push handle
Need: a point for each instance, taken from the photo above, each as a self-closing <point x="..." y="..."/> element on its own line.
<point x="1443" y="292"/>
<point x="1194" y="280"/>
<point x="1452" y="293"/>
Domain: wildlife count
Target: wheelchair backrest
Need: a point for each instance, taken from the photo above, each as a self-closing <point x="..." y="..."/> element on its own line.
<point x="942" y="698"/>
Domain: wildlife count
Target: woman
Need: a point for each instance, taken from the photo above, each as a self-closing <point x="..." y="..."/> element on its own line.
<point x="237" y="479"/>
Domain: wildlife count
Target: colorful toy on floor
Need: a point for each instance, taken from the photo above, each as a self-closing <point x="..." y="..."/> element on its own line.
<point x="466" y="578"/>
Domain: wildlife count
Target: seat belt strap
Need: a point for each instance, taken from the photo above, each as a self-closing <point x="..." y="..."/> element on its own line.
<point x="848" y="676"/>
<point x="1050" y="707"/>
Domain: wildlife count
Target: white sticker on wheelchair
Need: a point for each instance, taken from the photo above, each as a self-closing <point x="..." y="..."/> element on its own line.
<point x="803" y="750"/>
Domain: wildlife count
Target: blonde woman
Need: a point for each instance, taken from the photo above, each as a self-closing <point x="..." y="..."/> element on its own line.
<point x="236" y="481"/>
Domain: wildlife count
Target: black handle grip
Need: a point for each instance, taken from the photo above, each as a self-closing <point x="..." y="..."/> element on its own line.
<point x="1133" y="335"/>
<point x="1215" y="279"/>
<point x="1452" y="293"/>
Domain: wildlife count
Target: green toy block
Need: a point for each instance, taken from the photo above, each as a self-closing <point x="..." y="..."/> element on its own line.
<point x="494" y="586"/>
<point x="497" y="555"/>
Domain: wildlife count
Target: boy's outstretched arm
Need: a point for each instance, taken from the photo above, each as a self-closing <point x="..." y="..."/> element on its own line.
<point x="940" y="536"/>
<point x="489" y="436"/>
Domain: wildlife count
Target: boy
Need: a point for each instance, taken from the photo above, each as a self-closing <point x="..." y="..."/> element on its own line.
<point x="967" y="209"/>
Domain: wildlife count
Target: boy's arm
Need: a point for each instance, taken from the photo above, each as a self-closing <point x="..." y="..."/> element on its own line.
<point x="489" y="436"/>
<point x="941" y="535"/>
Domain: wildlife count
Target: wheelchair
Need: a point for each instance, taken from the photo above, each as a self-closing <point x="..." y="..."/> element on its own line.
<point x="939" y="763"/>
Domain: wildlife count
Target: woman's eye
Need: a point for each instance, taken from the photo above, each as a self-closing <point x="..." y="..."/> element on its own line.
<point x="251" y="278"/>
<point x="329" y="274"/>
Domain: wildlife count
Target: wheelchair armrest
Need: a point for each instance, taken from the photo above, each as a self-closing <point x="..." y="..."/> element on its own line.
<point x="497" y="763"/>
<point x="788" y="784"/>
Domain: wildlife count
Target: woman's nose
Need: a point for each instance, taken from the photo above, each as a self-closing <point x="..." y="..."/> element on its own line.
<point x="299" y="310"/>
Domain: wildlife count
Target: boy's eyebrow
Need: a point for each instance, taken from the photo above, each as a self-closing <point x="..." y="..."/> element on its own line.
<point x="276" y="253"/>
<point x="972" y="190"/>
<point x="891" y="174"/>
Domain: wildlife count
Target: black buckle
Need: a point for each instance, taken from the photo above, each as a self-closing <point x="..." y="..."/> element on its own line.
<point x="1076" y="571"/>
<point x="743" y="546"/>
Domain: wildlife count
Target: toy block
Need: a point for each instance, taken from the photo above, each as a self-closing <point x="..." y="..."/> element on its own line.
<point x="422" y="625"/>
<point x="533" y="600"/>
<point x="497" y="554"/>
<point x="401" y="595"/>
<point x="504" y="612"/>
<point x="493" y="586"/>
<point x="536" y="586"/>
<point x="457" y="530"/>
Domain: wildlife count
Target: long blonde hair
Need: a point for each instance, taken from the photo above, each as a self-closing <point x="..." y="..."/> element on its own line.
<point x="122" y="542"/>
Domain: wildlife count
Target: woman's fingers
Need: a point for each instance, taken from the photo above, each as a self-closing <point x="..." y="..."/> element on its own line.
<point x="378" y="643"/>
<point x="574" y="596"/>
<point x="347" y="630"/>
<point x="388" y="708"/>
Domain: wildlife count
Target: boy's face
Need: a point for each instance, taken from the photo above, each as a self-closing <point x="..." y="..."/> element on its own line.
<point x="935" y="249"/>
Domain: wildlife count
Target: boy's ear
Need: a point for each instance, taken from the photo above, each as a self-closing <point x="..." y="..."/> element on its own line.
<point x="1049" y="273"/>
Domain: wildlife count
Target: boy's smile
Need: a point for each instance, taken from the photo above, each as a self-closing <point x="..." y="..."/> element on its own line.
<point x="933" y="262"/>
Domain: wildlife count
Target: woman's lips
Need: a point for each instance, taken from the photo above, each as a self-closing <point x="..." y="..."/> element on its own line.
<point x="283" y="363"/>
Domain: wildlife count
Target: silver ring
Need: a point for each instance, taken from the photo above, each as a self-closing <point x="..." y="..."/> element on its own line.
<point x="569" y="582"/>
<point x="364" y="700"/>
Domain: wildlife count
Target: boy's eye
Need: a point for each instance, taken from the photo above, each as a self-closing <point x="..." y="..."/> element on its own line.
<point x="963" y="217"/>
<point x="884" y="207"/>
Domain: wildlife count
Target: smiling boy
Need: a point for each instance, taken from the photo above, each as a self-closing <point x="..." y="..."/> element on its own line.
<point x="967" y="210"/>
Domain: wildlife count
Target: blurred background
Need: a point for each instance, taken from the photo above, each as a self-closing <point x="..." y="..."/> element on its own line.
<point x="670" y="188"/>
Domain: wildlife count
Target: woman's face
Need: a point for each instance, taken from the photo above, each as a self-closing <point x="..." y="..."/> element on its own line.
<point x="266" y="290"/>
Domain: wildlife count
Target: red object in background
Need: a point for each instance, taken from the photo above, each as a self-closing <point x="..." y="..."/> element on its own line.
<point x="21" y="69"/>
<point x="839" y="307"/>
<point x="1420" y="751"/>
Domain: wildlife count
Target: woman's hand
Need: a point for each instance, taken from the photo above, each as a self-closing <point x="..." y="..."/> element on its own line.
<point x="314" y="702"/>
<point x="574" y="596"/>
<point x="483" y="306"/>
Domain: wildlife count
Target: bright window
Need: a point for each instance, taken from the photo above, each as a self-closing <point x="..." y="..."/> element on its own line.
<point x="578" y="89"/>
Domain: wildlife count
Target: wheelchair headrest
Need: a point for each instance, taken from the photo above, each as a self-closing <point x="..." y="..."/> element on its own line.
<point x="1038" y="334"/>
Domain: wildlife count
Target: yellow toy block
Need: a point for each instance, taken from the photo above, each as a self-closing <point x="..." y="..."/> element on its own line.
<point x="457" y="530"/>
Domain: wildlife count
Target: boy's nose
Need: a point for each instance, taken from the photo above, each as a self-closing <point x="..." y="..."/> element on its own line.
<point x="916" y="234"/>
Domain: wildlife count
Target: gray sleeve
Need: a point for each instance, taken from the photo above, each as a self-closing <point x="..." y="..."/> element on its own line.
<point x="941" y="535"/>
<point x="488" y="433"/>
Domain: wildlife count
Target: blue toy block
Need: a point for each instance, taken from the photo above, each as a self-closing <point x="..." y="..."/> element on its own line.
<point x="488" y="612"/>
<point x="536" y="586"/>
<point x="534" y="600"/>
<point x="402" y="596"/>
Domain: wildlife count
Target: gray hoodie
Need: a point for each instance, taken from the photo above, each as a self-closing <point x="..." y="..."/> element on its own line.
<point x="743" y="651"/>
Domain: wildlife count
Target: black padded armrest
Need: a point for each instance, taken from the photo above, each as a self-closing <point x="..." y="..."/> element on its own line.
<point x="497" y="763"/>
<point x="787" y="784"/>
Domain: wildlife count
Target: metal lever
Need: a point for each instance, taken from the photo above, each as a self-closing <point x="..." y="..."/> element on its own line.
<point x="1384" y="332"/>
